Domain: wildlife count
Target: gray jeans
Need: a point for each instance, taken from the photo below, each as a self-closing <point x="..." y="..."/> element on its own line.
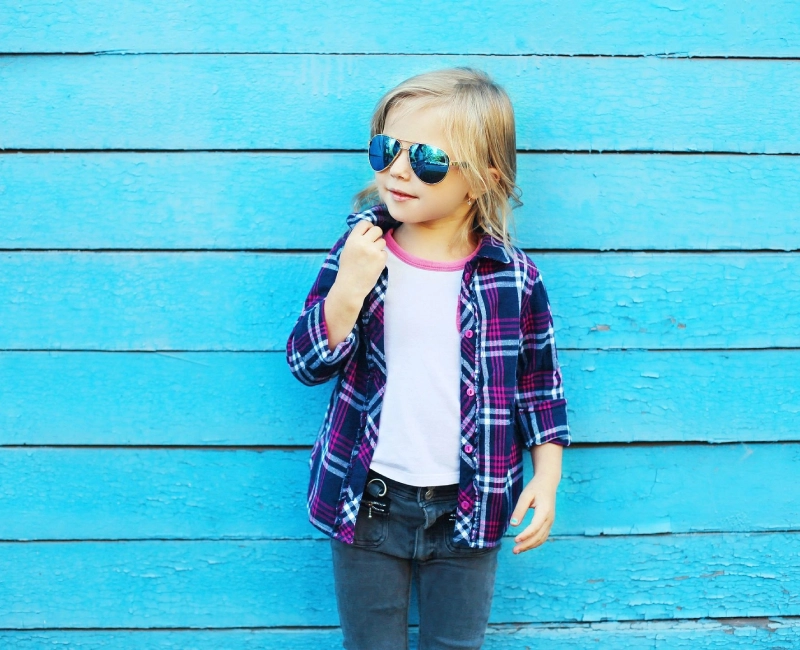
<point x="373" y="575"/>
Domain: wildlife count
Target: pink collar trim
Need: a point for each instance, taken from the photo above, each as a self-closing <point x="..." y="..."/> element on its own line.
<point x="422" y="263"/>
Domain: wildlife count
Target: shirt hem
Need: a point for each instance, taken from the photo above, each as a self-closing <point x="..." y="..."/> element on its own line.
<point x="417" y="480"/>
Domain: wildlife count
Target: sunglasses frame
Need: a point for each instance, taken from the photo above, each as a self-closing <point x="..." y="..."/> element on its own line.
<point x="450" y="163"/>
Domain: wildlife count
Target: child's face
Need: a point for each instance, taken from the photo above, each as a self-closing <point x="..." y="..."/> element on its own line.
<point x="445" y="200"/>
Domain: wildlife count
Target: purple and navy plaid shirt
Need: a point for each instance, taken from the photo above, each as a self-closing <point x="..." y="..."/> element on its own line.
<point x="511" y="392"/>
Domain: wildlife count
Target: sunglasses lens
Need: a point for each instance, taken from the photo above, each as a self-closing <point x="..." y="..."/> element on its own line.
<point x="429" y="163"/>
<point x="382" y="151"/>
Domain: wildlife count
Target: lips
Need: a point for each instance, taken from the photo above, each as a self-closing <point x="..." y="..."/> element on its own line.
<point x="399" y="193"/>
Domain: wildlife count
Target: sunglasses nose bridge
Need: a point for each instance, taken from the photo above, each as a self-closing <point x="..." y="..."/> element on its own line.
<point x="399" y="156"/>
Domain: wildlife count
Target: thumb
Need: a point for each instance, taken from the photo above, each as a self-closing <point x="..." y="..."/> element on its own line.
<point x="525" y="502"/>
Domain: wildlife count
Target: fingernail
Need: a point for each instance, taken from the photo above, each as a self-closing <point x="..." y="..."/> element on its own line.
<point x="514" y="521"/>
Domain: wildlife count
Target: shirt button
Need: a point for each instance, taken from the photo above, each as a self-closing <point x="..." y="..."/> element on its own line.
<point x="465" y="505"/>
<point x="466" y="277"/>
<point x="469" y="334"/>
<point x="470" y="392"/>
<point x="468" y="448"/>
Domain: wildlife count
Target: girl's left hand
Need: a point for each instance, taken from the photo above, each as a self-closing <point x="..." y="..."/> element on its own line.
<point x="542" y="497"/>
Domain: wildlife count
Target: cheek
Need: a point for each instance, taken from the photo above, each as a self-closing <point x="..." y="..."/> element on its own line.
<point x="452" y="193"/>
<point x="454" y="185"/>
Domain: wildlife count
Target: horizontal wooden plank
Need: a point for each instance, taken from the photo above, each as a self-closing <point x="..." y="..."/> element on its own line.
<point x="268" y="583"/>
<point x="247" y="301"/>
<point x="769" y="28"/>
<point x="98" y="494"/>
<point x="775" y="633"/>
<point x="243" y="200"/>
<point x="257" y="102"/>
<point x="95" y="398"/>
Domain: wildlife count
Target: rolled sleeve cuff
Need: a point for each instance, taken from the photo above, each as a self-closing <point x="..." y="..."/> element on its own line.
<point x="319" y="338"/>
<point x="545" y="422"/>
<point x="310" y="358"/>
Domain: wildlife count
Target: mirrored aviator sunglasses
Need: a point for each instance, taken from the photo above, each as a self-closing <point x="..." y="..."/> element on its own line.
<point x="430" y="164"/>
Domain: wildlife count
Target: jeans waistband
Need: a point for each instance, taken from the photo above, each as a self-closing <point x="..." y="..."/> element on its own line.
<point x="414" y="491"/>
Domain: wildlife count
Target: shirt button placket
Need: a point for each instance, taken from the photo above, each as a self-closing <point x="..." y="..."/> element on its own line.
<point x="468" y="448"/>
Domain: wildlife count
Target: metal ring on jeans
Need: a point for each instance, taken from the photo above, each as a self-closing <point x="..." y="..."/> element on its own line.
<point x="372" y="490"/>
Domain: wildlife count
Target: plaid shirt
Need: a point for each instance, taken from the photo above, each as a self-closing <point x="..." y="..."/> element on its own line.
<point x="510" y="388"/>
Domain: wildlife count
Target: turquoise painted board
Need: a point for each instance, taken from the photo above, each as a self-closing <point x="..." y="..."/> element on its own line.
<point x="141" y="493"/>
<point x="776" y="633"/>
<point x="296" y="101"/>
<point x="162" y="218"/>
<point x="705" y="28"/>
<point x="249" y="302"/>
<point x="267" y="583"/>
<point x="248" y="201"/>
<point x="202" y="398"/>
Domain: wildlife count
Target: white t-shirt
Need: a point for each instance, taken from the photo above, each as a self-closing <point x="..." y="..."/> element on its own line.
<point x="419" y="435"/>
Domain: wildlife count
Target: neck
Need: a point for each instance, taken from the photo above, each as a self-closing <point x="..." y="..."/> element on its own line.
<point x="434" y="243"/>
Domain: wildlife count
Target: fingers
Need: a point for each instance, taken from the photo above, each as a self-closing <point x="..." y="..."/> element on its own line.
<point x="368" y="230"/>
<point x="524" y="504"/>
<point x="534" y="527"/>
<point x="533" y="542"/>
<point x="533" y="536"/>
<point x="362" y="225"/>
<point x="368" y="235"/>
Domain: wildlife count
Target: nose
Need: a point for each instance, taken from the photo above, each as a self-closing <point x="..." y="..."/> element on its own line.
<point x="401" y="167"/>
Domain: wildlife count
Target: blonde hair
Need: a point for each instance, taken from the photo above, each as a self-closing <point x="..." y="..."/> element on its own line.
<point x="479" y="123"/>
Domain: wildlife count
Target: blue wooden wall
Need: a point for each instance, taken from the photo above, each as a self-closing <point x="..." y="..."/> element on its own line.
<point x="171" y="175"/>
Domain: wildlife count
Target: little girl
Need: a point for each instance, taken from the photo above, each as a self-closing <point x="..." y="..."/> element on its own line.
<point x="439" y="334"/>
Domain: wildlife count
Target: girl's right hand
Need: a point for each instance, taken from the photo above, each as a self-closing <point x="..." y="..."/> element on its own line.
<point x="362" y="259"/>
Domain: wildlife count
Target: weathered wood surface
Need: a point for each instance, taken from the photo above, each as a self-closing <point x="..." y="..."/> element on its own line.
<point x="248" y="583"/>
<point x="773" y="633"/>
<point x="114" y="493"/>
<point x="250" y="201"/>
<point x="221" y="398"/>
<point x="232" y="102"/>
<point x="162" y="217"/>
<point x="250" y="302"/>
<point x="617" y="27"/>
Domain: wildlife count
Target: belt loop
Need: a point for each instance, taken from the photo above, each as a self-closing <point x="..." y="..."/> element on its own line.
<point x="375" y="489"/>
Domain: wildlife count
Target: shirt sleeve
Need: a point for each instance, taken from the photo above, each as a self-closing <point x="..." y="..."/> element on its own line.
<point x="540" y="406"/>
<point x="307" y="352"/>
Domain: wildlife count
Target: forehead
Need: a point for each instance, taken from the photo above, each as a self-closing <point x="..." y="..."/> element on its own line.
<point x="414" y="121"/>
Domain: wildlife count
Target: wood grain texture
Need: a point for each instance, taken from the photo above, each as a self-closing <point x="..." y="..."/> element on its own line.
<point x="296" y="101"/>
<point x="186" y="398"/>
<point x="247" y="301"/>
<point x="774" y="633"/>
<point x="152" y="271"/>
<point x="111" y="494"/>
<point x="249" y="200"/>
<point x="244" y="583"/>
<point x="769" y="28"/>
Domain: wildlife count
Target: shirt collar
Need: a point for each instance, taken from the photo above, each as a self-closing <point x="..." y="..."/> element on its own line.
<point x="379" y="215"/>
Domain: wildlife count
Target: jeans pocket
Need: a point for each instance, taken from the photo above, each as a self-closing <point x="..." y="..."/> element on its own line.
<point x="449" y="530"/>
<point x="372" y="522"/>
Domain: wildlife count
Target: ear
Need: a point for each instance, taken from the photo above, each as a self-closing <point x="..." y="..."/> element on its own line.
<point x="495" y="174"/>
